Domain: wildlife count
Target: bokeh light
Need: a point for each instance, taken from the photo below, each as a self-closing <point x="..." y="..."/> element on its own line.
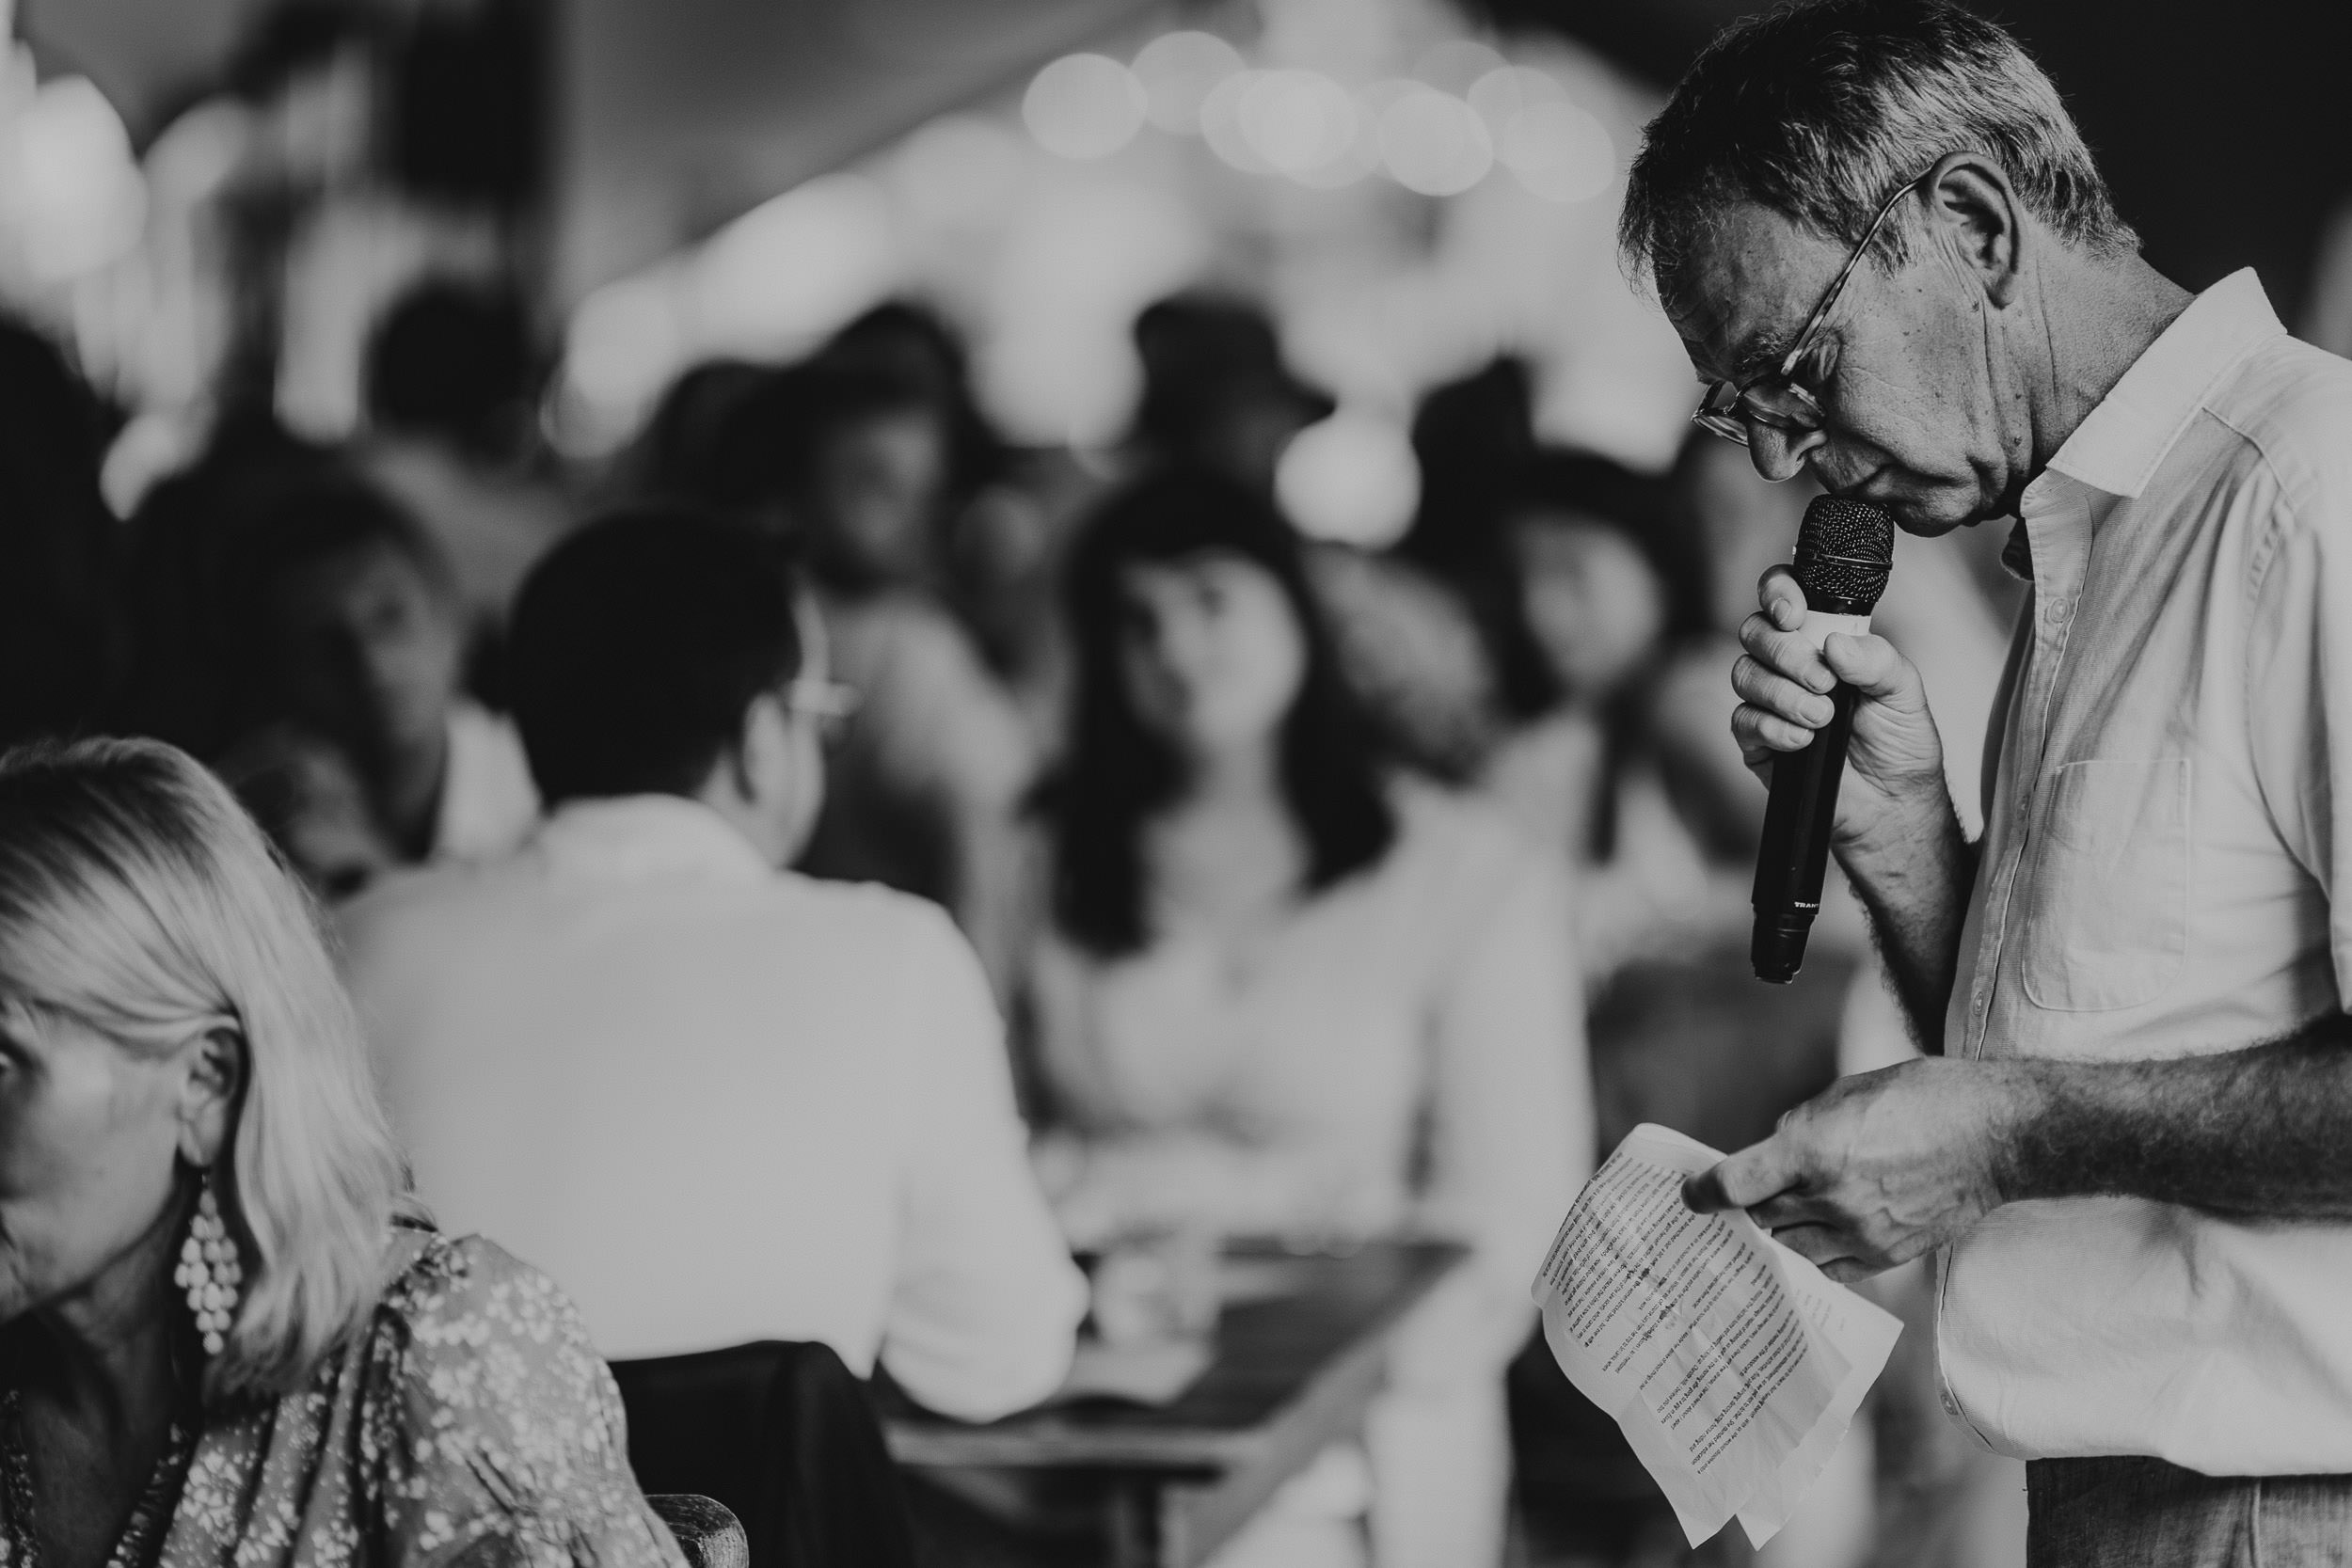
<point x="957" y="170"/>
<point x="1084" y="106"/>
<point x="1297" y="121"/>
<point x="1177" y="72"/>
<point x="1433" y="142"/>
<point x="624" y="343"/>
<point x="1454" y="64"/>
<point x="1054" y="362"/>
<point x="1221" y="127"/>
<point x="1501" y="94"/>
<point x="1350" y="478"/>
<point x="1360" y="157"/>
<point x="794" y="268"/>
<point x="1559" y="151"/>
<point x="75" y="197"/>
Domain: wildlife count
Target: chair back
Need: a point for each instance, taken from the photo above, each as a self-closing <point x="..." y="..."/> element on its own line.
<point x="784" y="1436"/>
<point x="707" y="1532"/>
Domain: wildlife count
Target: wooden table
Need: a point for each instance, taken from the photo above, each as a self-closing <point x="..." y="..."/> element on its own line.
<point x="1297" y="1357"/>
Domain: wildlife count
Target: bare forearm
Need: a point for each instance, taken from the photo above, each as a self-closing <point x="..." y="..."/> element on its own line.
<point x="2266" y="1130"/>
<point x="1915" y="881"/>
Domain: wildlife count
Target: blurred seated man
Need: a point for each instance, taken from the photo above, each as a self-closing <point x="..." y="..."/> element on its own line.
<point x="725" y="1101"/>
<point x="350" y="646"/>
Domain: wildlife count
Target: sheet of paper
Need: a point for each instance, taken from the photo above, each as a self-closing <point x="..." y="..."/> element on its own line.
<point x="1732" y="1364"/>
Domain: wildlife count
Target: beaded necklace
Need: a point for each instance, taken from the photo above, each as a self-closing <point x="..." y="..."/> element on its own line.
<point x="142" y="1539"/>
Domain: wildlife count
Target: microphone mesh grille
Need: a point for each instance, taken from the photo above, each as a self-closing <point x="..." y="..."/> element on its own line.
<point x="1844" y="552"/>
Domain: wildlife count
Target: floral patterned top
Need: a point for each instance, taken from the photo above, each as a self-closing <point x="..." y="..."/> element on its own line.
<point x="471" y="1422"/>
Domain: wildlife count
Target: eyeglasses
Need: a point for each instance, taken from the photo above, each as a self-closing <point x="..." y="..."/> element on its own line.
<point x="1771" y="398"/>
<point x="829" y="703"/>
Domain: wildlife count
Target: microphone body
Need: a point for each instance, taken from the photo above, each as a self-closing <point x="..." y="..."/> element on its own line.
<point x="1844" y="552"/>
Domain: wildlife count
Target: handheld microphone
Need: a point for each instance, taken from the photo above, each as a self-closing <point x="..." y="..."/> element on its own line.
<point x="1844" y="551"/>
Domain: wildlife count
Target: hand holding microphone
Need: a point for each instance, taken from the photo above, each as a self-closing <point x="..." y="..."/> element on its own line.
<point x="1801" y="694"/>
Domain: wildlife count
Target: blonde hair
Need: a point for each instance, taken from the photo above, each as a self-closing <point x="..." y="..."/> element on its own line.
<point x="139" y="900"/>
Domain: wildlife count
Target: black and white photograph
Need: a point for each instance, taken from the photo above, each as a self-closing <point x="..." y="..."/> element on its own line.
<point x="1175" y="784"/>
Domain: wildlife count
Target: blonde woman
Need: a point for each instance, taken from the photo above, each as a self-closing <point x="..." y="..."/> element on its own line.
<point x="225" y="1335"/>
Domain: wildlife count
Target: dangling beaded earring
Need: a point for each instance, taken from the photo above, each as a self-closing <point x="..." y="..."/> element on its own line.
<point x="210" y="1271"/>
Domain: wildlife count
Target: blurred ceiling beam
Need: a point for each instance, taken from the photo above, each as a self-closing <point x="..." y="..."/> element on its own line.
<point x="150" y="58"/>
<point x="677" y="116"/>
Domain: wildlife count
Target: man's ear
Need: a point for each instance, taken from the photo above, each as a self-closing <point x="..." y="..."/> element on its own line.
<point x="209" y="1094"/>
<point x="1972" y="204"/>
<point x="762" y="747"/>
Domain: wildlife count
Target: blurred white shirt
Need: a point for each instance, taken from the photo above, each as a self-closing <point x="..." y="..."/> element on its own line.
<point x="488" y="804"/>
<point x="718" y="1102"/>
<point x="1402" y="1053"/>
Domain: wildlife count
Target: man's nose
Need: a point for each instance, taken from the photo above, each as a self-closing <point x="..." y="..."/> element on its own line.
<point x="1780" y="454"/>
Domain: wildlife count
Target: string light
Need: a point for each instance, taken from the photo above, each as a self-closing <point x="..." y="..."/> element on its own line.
<point x="1559" y="151"/>
<point x="624" y="343"/>
<point x="1299" y="123"/>
<point x="69" y="188"/>
<point x="1433" y="143"/>
<point x="1503" y="93"/>
<point x="1220" y="123"/>
<point x="1178" y="72"/>
<point x="1350" y="478"/>
<point x="957" y="170"/>
<point x="1084" y="106"/>
<point x="793" y="268"/>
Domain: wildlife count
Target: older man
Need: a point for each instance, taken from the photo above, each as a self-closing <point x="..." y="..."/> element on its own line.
<point x="1890" y="255"/>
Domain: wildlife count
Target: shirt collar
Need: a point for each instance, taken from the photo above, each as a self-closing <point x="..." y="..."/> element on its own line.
<point x="2117" y="448"/>
<point x="649" y="837"/>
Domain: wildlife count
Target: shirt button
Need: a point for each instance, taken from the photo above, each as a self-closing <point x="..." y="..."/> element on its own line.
<point x="2059" y="610"/>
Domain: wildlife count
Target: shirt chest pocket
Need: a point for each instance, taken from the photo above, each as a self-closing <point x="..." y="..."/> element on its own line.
<point x="2107" y="922"/>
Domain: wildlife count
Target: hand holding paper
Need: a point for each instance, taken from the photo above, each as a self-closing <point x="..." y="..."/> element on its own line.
<point x="1880" y="1168"/>
<point x="1732" y="1364"/>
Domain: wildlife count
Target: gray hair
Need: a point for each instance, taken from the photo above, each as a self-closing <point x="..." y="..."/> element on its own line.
<point x="137" y="899"/>
<point x="1821" y="111"/>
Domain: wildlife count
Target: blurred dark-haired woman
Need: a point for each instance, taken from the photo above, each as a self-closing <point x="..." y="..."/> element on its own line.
<point x="1285" y="992"/>
<point x="1610" y="679"/>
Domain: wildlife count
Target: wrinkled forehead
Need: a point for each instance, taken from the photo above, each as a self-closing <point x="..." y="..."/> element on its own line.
<point x="1744" y="288"/>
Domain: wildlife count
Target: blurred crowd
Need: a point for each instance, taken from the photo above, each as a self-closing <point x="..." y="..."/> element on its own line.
<point x="1328" y="892"/>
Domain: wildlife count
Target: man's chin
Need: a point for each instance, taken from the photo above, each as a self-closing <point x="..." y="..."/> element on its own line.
<point x="1929" y="516"/>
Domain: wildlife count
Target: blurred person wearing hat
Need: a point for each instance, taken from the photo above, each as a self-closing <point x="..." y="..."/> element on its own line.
<point x="1216" y="391"/>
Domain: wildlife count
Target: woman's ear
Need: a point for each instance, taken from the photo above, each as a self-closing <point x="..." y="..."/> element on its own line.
<point x="208" y="1095"/>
